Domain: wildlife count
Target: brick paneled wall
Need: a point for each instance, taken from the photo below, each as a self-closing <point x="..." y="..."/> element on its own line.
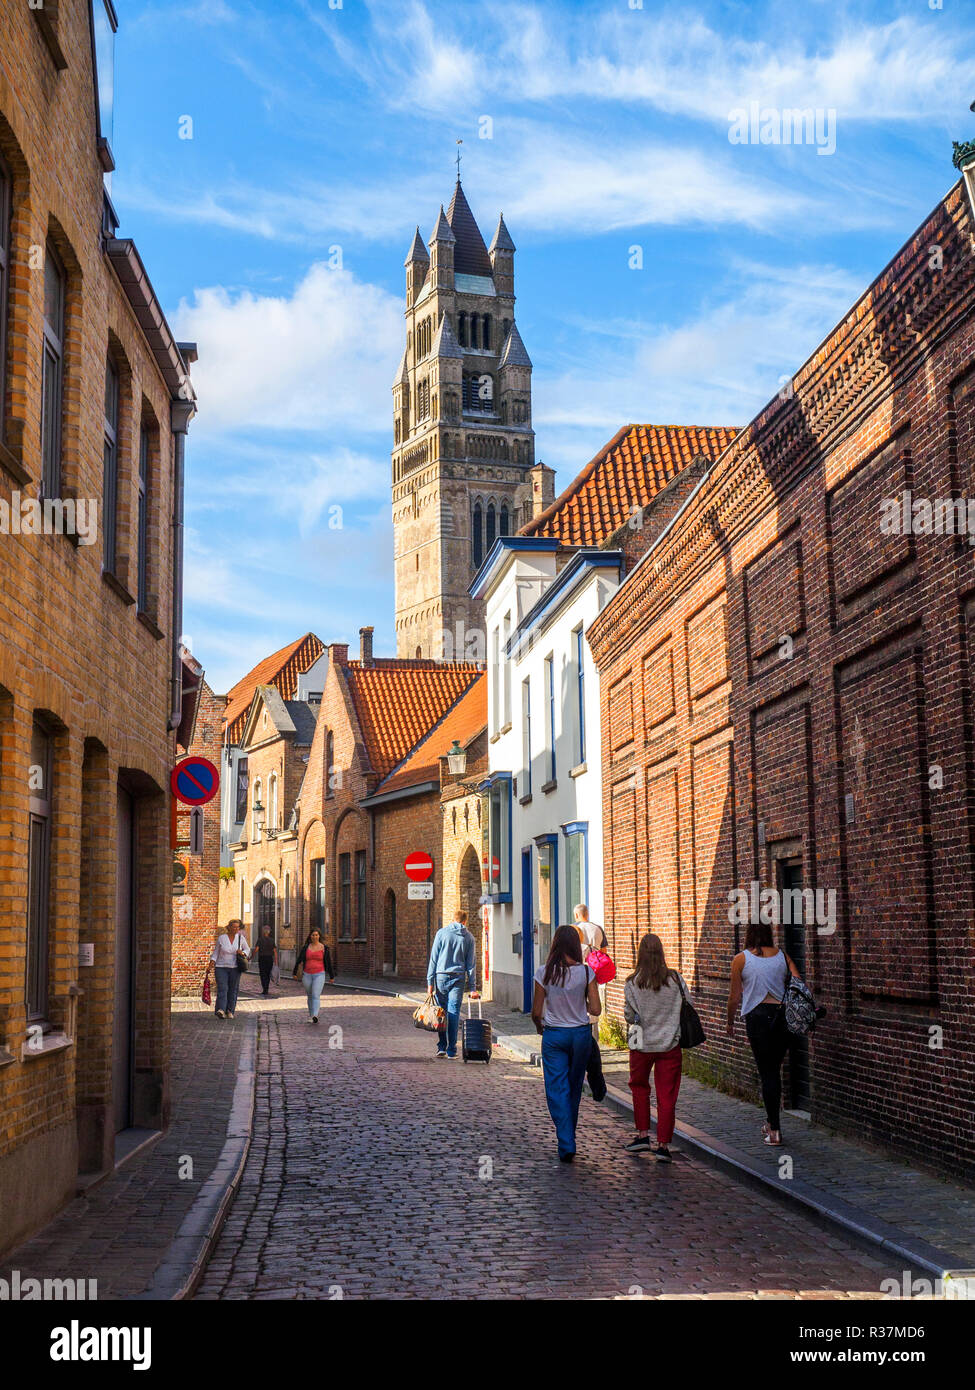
<point x="807" y="700"/>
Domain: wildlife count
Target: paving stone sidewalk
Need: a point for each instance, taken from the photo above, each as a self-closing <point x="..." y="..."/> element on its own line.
<point x="852" y="1179"/>
<point x="120" y="1232"/>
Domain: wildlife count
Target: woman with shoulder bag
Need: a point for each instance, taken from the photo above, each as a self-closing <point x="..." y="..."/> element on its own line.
<point x="565" y="997"/>
<point x="313" y="964"/>
<point x="759" y="977"/>
<point x="229" y="950"/>
<point x="652" y="1001"/>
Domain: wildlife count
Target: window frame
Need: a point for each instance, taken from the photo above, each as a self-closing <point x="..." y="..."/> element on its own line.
<point x="496" y="790"/>
<point x="142" y="519"/>
<point x="570" y="831"/>
<point x="40" y="836"/>
<point x="580" y="693"/>
<point x="550" y="683"/>
<point x="254" y="801"/>
<point x="361" y="896"/>
<point x="113" y="395"/>
<point x="345" y="897"/>
<point x="52" y="380"/>
<point x="526" y="737"/>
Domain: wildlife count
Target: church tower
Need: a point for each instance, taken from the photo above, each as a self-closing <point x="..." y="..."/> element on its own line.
<point x="463" y="444"/>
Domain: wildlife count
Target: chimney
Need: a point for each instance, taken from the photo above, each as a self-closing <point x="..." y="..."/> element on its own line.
<point x="338" y="654"/>
<point x="543" y="488"/>
<point x="365" y="645"/>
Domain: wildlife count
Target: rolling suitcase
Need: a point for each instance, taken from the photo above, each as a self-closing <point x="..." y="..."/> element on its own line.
<point x="475" y="1043"/>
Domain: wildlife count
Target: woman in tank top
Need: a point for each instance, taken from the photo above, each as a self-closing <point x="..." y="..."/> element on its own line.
<point x="759" y="976"/>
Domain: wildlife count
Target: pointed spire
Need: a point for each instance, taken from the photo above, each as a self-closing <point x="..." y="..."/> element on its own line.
<point x="402" y="376"/>
<point x="445" y="343"/>
<point x="513" y="353"/>
<point x="471" y="256"/>
<point x="502" y="238"/>
<point x="442" y="231"/>
<point x="418" y="252"/>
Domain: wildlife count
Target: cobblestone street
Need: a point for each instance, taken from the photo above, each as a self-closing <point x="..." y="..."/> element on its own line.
<point x="377" y="1172"/>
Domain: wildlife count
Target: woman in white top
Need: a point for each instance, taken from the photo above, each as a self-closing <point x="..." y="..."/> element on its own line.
<point x="565" y="996"/>
<point x="652" y="999"/>
<point x="759" y="976"/>
<point x="224" y="957"/>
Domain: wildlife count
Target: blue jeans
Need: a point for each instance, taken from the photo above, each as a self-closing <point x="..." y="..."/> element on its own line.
<point x="449" y="991"/>
<point x="565" y="1052"/>
<point x="228" y="983"/>
<point x="313" y="988"/>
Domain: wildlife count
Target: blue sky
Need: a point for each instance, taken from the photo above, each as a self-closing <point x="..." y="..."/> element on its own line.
<point x="275" y="237"/>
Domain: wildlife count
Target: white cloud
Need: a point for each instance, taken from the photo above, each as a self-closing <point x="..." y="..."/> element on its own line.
<point x="321" y="359"/>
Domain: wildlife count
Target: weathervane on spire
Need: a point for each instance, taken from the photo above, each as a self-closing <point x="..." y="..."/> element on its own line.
<point x="459" y="143"/>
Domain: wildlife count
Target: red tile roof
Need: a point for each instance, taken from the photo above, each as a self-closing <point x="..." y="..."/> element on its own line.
<point x="628" y="472"/>
<point x="398" y="702"/>
<point x="463" y="722"/>
<point x="281" y="670"/>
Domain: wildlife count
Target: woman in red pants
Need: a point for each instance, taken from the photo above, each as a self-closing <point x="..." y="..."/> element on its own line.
<point x="651" y="1007"/>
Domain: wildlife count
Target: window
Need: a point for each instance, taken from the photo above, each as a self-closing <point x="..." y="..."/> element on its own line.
<point x="462" y="329"/>
<point x="576" y="863"/>
<point x="110" y="469"/>
<point x="550" y="693"/>
<point x="473" y="330"/>
<point x="477" y="537"/>
<point x="526" y="737"/>
<point x="329" y="764"/>
<point x="495" y="675"/>
<point x="507" y="669"/>
<point x="52" y="375"/>
<point x="477" y="393"/>
<point x="5" y="206"/>
<point x="143" y="521"/>
<point x="581" y="696"/>
<point x="345" y="896"/>
<point x="272" y="802"/>
<point x="255" y="803"/>
<point x="505" y="526"/>
<point x="546" y="892"/>
<point x="496" y="836"/>
<point x="317" y="919"/>
<point x="240" y="809"/>
<point x="39" y="868"/>
<point x="486" y="339"/>
<point x="490" y="525"/>
<point x="360" y="893"/>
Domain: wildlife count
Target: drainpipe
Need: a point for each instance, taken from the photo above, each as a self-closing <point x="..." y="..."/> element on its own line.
<point x="181" y="412"/>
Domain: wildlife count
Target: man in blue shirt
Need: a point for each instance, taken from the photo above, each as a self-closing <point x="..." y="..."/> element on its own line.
<point x="452" y="966"/>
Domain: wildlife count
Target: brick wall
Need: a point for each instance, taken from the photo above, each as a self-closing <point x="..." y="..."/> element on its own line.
<point x="74" y="651"/>
<point x="784" y="688"/>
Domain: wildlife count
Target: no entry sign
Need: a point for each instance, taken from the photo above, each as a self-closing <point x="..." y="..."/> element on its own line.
<point x="195" y="781"/>
<point x="418" y="866"/>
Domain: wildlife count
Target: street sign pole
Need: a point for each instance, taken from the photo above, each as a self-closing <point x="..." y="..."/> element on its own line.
<point x="429" y="914"/>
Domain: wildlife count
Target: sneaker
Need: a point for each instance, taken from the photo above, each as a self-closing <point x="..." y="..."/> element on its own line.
<point x="638" y="1145"/>
<point x="441" y="1056"/>
<point x="451" y="1056"/>
<point x="229" y="1015"/>
<point x="662" y="1154"/>
<point x="221" y="1014"/>
<point x="566" y="1158"/>
<point x="314" y="1018"/>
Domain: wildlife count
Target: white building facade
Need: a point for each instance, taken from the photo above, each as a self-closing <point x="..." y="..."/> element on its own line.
<point x="541" y="817"/>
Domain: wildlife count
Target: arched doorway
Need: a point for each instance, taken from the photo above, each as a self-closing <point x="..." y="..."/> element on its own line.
<point x="389" y="933"/>
<point x="264" y="908"/>
<point x="469" y="891"/>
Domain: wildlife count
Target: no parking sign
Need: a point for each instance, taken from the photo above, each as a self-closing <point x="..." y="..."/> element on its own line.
<point x="195" y="781"/>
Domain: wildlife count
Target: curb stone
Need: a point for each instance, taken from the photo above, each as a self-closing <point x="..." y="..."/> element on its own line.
<point x="182" y="1267"/>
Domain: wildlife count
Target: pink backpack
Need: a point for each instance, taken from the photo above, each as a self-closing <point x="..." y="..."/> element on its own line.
<point x="601" y="966"/>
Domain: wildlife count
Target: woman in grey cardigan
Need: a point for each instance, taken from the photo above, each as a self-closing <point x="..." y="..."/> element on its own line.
<point x="651" y="1007"/>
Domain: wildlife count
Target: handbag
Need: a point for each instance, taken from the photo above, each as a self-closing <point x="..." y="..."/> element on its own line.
<point x="692" y="1032"/>
<point x="429" y="1015"/>
<point x="206" y="996"/>
<point x="241" y="957"/>
<point x="601" y="966"/>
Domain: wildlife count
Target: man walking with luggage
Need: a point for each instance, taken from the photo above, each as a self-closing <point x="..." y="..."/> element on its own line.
<point x="452" y="967"/>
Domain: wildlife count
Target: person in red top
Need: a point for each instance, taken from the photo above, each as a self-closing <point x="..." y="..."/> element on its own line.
<point x="313" y="964"/>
